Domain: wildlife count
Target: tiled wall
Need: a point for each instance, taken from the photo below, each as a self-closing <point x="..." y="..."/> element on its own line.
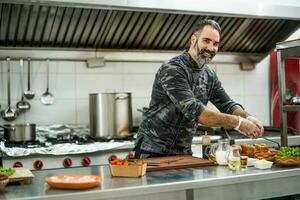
<point x="71" y="82"/>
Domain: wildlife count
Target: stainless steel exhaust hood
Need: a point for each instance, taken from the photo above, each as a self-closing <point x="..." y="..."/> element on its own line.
<point x="248" y="28"/>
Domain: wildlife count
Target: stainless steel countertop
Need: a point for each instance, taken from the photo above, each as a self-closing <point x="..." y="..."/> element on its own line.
<point x="153" y="182"/>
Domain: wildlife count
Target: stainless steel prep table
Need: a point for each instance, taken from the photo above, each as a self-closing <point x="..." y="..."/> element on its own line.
<point x="194" y="183"/>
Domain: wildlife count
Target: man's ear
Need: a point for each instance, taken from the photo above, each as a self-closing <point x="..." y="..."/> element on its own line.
<point x="193" y="40"/>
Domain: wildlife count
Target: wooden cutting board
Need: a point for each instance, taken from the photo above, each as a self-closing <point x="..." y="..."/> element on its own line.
<point x="22" y="175"/>
<point x="175" y="162"/>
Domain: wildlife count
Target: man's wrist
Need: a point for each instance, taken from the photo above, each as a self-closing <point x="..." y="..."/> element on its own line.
<point x="239" y="123"/>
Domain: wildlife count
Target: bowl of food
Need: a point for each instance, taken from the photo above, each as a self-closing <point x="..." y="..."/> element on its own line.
<point x="288" y="157"/>
<point x="263" y="164"/>
<point x="3" y="181"/>
<point x="126" y="167"/>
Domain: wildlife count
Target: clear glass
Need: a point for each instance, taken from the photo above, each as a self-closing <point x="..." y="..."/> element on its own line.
<point x="244" y="162"/>
<point x="234" y="159"/>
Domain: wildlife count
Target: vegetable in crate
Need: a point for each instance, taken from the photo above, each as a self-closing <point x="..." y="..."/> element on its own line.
<point x="7" y="171"/>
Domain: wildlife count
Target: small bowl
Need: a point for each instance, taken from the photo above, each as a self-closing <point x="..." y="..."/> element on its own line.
<point x="251" y="162"/>
<point x="263" y="164"/>
<point x="3" y="181"/>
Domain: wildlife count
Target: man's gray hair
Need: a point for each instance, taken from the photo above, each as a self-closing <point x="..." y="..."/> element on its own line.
<point x="206" y="22"/>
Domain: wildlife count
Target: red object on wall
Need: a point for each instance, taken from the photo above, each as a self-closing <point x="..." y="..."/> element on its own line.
<point x="292" y="80"/>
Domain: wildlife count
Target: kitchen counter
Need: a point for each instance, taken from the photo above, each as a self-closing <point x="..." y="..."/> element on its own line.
<point x="214" y="182"/>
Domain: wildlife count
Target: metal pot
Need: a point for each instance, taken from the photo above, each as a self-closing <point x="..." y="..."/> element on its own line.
<point x="110" y="114"/>
<point x="19" y="132"/>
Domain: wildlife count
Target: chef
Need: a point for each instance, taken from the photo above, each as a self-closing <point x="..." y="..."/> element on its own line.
<point x="181" y="90"/>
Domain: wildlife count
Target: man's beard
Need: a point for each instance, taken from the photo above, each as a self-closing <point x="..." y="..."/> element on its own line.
<point x="201" y="58"/>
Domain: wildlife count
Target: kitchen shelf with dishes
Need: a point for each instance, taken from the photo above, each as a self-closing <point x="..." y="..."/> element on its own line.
<point x="287" y="49"/>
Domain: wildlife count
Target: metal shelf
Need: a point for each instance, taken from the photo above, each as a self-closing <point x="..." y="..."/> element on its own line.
<point x="290" y="107"/>
<point x="287" y="49"/>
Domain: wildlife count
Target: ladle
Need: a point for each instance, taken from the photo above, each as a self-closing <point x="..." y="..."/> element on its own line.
<point x="22" y="105"/>
<point x="29" y="94"/>
<point x="8" y="114"/>
<point x="47" y="98"/>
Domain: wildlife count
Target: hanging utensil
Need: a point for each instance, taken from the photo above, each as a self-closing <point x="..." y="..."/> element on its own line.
<point x="47" y="98"/>
<point x="22" y="105"/>
<point x="29" y="94"/>
<point x="8" y="114"/>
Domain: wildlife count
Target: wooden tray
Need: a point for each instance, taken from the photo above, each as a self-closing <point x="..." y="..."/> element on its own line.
<point x="21" y="175"/>
<point x="175" y="162"/>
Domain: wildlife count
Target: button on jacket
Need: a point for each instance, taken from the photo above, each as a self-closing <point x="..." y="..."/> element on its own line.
<point x="180" y="93"/>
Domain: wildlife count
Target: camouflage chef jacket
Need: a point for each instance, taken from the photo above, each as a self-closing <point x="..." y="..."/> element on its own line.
<point x="180" y="93"/>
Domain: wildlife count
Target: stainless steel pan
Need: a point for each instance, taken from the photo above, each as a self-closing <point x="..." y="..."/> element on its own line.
<point x="19" y="132"/>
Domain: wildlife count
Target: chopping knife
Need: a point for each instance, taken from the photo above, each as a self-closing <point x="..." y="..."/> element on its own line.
<point x="158" y="163"/>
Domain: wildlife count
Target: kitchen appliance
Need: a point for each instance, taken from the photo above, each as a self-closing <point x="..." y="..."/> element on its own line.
<point x="19" y="133"/>
<point x="110" y="114"/>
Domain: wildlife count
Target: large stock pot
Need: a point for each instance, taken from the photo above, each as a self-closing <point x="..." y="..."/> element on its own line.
<point x="110" y="114"/>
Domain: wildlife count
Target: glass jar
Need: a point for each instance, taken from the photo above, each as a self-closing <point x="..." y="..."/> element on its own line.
<point x="220" y="151"/>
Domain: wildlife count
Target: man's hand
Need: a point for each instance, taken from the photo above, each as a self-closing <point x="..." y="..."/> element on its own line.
<point x="257" y="123"/>
<point x="249" y="129"/>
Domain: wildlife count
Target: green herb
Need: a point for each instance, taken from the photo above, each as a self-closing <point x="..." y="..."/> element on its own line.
<point x="7" y="171"/>
<point x="289" y="152"/>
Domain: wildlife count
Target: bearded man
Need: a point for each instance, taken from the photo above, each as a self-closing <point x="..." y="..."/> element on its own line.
<point x="181" y="90"/>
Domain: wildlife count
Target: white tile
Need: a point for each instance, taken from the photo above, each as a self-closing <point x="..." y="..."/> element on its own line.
<point x="61" y="112"/>
<point x="94" y="83"/>
<point x="63" y="85"/>
<point x="62" y="67"/>
<point x="82" y="112"/>
<point x="232" y="84"/>
<point x="257" y="105"/>
<point x="141" y="68"/>
<point x="14" y="66"/>
<point x="139" y="84"/>
<point x="257" y="81"/>
<point x="60" y="85"/>
<point x="256" y="85"/>
<point x="15" y="86"/>
<point x="238" y="99"/>
<point x="225" y="68"/>
<point x="109" y="67"/>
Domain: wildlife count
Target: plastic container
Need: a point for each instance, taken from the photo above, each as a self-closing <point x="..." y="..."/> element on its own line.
<point x="263" y="164"/>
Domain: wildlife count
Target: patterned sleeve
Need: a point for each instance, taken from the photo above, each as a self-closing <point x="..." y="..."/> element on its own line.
<point x="221" y="99"/>
<point x="174" y="81"/>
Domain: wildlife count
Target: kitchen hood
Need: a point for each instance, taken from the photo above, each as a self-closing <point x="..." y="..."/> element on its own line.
<point x="248" y="28"/>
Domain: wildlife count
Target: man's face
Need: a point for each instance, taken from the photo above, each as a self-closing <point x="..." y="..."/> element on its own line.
<point x="206" y="44"/>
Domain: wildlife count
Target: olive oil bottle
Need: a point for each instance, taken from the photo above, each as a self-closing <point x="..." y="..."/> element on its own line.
<point x="206" y="144"/>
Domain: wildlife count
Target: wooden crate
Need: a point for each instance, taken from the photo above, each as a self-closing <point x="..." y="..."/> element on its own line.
<point x="128" y="171"/>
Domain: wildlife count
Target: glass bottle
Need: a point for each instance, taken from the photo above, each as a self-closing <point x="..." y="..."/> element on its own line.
<point x="206" y="142"/>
